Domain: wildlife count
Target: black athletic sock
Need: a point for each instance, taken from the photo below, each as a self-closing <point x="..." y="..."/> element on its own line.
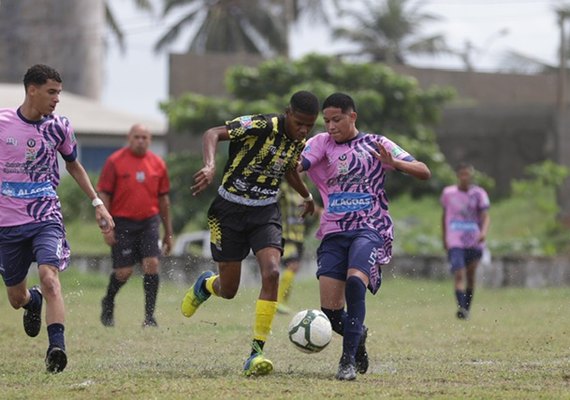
<point x="35" y="300"/>
<point x="337" y="319"/>
<point x="461" y="298"/>
<point x="55" y="336"/>
<point x="256" y="346"/>
<point x="468" y="298"/>
<point x="150" y="284"/>
<point x="113" y="288"/>
<point x="355" y="293"/>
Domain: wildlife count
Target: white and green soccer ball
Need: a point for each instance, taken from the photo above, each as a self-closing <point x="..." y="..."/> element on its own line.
<point x="310" y="331"/>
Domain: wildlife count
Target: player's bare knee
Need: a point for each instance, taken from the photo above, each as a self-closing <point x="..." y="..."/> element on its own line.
<point x="18" y="300"/>
<point x="51" y="287"/>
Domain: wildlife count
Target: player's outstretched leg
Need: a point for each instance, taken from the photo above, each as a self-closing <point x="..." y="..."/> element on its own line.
<point x="196" y="295"/>
<point x="257" y="364"/>
<point x="361" y="357"/>
<point x="33" y="312"/>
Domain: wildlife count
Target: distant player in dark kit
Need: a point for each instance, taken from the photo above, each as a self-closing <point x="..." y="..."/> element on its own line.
<point x="245" y="215"/>
<point x="134" y="185"/>
<point x="465" y="223"/>
<point x="31" y="222"/>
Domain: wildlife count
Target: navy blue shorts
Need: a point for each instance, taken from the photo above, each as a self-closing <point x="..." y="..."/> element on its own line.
<point x="355" y="249"/>
<point x="461" y="258"/>
<point x="237" y="229"/>
<point x="135" y="240"/>
<point x="42" y="242"/>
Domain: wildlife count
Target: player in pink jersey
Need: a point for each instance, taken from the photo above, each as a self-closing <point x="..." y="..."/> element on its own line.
<point x="349" y="169"/>
<point x="465" y="223"/>
<point x="31" y="223"/>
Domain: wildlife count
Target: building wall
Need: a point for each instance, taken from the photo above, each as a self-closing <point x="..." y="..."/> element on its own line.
<point x="75" y="48"/>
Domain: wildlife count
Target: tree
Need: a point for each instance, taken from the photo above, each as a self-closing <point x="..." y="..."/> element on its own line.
<point x="113" y="24"/>
<point x="388" y="31"/>
<point x="225" y="26"/>
<point x="251" y="26"/>
<point x="388" y="103"/>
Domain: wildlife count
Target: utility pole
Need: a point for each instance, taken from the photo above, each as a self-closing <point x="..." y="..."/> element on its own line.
<point x="562" y="139"/>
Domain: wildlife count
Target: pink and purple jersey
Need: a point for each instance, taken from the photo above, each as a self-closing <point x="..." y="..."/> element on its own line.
<point x="29" y="170"/>
<point x="351" y="182"/>
<point x="463" y="211"/>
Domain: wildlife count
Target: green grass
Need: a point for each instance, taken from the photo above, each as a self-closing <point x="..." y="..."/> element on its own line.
<point x="515" y="346"/>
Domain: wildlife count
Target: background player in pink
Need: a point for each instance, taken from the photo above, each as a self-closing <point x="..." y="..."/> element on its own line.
<point x="349" y="169"/>
<point x="31" y="223"/>
<point x="465" y="223"/>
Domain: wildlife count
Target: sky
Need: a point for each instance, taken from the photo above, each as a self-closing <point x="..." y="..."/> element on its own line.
<point x="137" y="80"/>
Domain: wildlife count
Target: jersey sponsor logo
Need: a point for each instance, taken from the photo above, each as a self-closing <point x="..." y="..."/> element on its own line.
<point x="11" y="141"/>
<point x="28" y="190"/>
<point x="264" y="191"/>
<point x="344" y="202"/>
<point x="246" y="122"/>
<point x="463" y="226"/>
<point x="140" y="176"/>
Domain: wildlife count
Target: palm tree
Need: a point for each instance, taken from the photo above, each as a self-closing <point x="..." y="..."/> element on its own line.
<point x="252" y="26"/>
<point x="226" y="26"/>
<point x="388" y="32"/>
<point x="114" y="26"/>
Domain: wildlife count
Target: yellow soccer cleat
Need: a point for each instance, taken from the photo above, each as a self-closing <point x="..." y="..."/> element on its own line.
<point x="196" y="295"/>
<point x="257" y="365"/>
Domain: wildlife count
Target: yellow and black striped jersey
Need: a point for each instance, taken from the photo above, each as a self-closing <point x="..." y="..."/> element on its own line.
<point x="293" y="224"/>
<point x="259" y="154"/>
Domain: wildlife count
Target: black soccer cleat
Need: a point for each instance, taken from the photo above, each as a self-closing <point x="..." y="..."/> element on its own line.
<point x="107" y="309"/>
<point x="33" y="318"/>
<point x="361" y="353"/>
<point x="56" y="360"/>
<point x="346" y="369"/>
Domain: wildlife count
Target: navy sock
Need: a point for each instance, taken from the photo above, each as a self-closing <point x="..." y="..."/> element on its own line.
<point x="55" y="336"/>
<point x="337" y="318"/>
<point x="461" y="298"/>
<point x="113" y="288"/>
<point x="150" y="284"/>
<point x="35" y="300"/>
<point x="355" y="293"/>
<point x="468" y="298"/>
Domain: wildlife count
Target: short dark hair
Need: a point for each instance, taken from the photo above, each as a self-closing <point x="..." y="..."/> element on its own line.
<point x="463" y="165"/>
<point x="340" y="100"/>
<point x="39" y="74"/>
<point x="304" y="102"/>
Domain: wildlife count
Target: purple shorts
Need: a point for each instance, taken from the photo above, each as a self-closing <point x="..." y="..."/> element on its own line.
<point x="461" y="258"/>
<point x="358" y="249"/>
<point x="42" y="242"/>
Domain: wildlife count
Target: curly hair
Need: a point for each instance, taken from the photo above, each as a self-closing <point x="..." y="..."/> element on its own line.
<point x="39" y="75"/>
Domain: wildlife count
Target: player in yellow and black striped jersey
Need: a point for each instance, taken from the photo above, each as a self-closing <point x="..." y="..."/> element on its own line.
<point x="245" y="215"/>
<point x="294" y="230"/>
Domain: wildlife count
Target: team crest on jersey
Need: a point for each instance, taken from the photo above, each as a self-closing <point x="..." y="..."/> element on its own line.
<point x="140" y="176"/>
<point x="342" y="166"/>
<point x="279" y="165"/>
<point x="246" y="122"/>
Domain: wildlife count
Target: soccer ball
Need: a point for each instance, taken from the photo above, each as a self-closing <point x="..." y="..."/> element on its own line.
<point x="310" y="331"/>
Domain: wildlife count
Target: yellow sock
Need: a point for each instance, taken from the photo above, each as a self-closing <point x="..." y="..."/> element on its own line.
<point x="287" y="278"/>
<point x="210" y="284"/>
<point x="264" y="312"/>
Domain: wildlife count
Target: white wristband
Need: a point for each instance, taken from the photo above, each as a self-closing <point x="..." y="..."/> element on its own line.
<point x="308" y="198"/>
<point x="97" y="202"/>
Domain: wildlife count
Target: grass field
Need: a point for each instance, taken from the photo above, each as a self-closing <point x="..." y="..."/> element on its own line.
<point x="515" y="346"/>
